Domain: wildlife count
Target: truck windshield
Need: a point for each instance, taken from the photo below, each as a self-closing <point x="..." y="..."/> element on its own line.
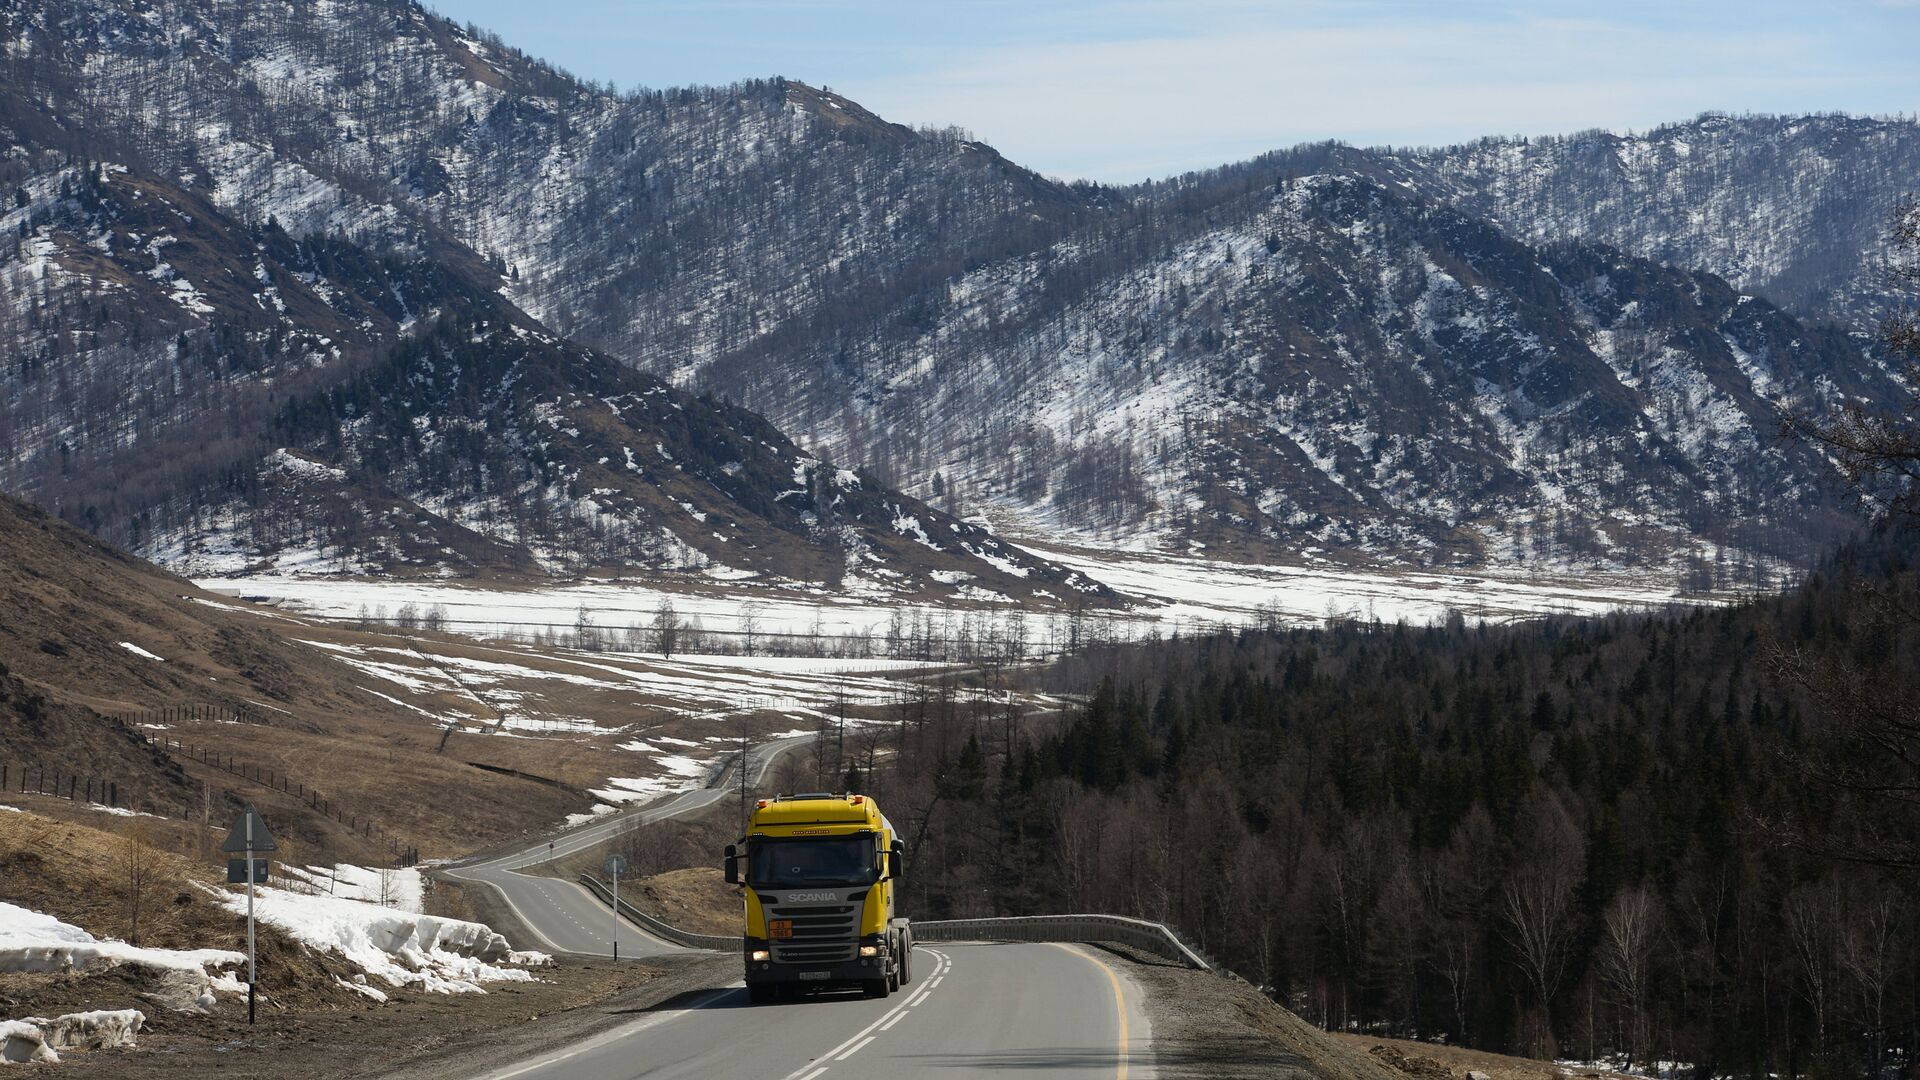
<point x="785" y="864"/>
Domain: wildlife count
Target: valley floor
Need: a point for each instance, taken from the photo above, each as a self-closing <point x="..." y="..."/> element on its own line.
<point x="1164" y="594"/>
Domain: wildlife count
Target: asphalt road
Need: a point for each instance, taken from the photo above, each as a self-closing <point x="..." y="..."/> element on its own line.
<point x="1009" y="1010"/>
<point x="1006" y="1010"/>
<point x="563" y="915"/>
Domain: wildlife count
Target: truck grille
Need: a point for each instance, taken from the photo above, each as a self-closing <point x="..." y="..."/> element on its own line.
<point x="822" y="933"/>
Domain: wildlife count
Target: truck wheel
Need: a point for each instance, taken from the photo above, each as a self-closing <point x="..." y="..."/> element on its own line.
<point x="906" y="965"/>
<point x="760" y="993"/>
<point x="876" y="988"/>
<point x="893" y="981"/>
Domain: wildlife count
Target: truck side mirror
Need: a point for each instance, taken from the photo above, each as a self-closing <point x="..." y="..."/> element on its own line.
<point x="897" y="860"/>
<point x="733" y="865"/>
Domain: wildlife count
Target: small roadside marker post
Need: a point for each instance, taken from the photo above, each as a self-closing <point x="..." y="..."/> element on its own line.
<point x="616" y="865"/>
<point x="249" y="835"/>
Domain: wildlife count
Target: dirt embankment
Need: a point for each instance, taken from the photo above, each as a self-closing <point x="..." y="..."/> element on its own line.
<point x="1206" y="1027"/>
<point x="1427" y="1061"/>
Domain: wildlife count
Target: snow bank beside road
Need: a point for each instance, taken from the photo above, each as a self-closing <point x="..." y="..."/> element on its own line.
<point x="444" y="956"/>
<point x="38" y="1040"/>
<point x="22" y="1042"/>
<point x="30" y="941"/>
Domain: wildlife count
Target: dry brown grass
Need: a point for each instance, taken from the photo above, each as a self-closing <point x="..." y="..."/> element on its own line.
<point x="1420" y="1059"/>
<point x="83" y="876"/>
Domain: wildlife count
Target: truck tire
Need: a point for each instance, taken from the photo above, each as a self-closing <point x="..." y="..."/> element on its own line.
<point x="876" y="988"/>
<point x="760" y="993"/>
<point x="906" y="965"/>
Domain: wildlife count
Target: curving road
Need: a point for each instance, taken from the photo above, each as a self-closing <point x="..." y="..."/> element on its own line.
<point x="563" y="915"/>
<point x="1011" y="1010"/>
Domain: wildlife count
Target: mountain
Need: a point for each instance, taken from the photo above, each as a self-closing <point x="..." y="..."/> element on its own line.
<point x="1362" y="353"/>
<point x="219" y="393"/>
<point x="1796" y="209"/>
<point x="1356" y="369"/>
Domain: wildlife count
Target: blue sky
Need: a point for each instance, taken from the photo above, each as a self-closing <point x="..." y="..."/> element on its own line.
<point x="1127" y="89"/>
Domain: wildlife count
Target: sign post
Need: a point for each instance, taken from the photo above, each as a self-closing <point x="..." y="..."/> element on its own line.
<point x="616" y="865"/>
<point x="249" y="835"/>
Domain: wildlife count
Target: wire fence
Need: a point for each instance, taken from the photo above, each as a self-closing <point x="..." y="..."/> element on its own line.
<point x="114" y="794"/>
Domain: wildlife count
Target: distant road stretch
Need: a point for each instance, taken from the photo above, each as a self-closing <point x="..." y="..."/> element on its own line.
<point x="563" y="915"/>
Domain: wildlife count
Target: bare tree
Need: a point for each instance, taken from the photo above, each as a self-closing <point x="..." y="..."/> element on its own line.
<point x="1628" y="933"/>
<point x="750" y="618"/>
<point x="585" y="634"/>
<point x="387" y="887"/>
<point x="1870" y="955"/>
<point x="1537" y="909"/>
<point x="1813" y="914"/>
<point x="138" y="870"/>
<point x="1865" y="752"/>
<point x="666" y="628"/>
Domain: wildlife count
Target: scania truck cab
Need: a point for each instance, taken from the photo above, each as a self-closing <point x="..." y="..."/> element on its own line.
<point x="821" y="875"/>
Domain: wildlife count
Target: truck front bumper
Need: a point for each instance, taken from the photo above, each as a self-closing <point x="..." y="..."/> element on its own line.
<point x="839" y="973"/>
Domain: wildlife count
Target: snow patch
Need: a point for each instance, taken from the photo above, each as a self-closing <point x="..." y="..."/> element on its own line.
<point x="138" y="651"/>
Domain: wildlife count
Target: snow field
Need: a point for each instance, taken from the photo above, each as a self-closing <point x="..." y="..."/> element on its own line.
<point x="402" y="889"/>
<point x="1172" y="592"/>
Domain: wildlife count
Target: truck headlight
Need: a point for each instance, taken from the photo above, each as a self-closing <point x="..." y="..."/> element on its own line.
<point x="869" y="950"/>
<point x="759" y="954"/>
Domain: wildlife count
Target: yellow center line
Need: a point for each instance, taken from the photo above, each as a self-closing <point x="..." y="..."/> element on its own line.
<point x="1119" y="1002"/>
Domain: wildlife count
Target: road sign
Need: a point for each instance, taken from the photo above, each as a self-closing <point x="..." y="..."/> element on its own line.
<point x="237" y="871"/>
<point x="615" y="866"/>
<point x="241" y="839"/>
<point x="250" y="836"/>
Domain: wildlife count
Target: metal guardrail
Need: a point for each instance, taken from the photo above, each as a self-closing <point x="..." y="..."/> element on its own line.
<point x="658" y="928"/>
<point x="1151" y="937"/>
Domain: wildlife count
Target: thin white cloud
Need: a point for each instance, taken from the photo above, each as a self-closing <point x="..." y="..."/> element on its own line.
<point x="1124" y="109"/>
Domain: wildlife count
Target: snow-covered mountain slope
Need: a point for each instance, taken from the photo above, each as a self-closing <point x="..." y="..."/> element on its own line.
<point x="671" y="227"/>
<point x="227" y="397"/>
<point x="1794" y="208"/>
<point x="1357" y="369"/>
<point x="1371" y="373"/>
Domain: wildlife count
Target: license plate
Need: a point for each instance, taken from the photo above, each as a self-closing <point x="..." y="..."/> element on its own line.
<point x="780" y="929"/>
<point x="816" y="975"/>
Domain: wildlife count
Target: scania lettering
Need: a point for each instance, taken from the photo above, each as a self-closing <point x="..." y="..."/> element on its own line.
<point x="821" y="875"/>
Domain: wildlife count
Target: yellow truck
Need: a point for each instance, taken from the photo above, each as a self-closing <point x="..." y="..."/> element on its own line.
<point x="821" y="875"/>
